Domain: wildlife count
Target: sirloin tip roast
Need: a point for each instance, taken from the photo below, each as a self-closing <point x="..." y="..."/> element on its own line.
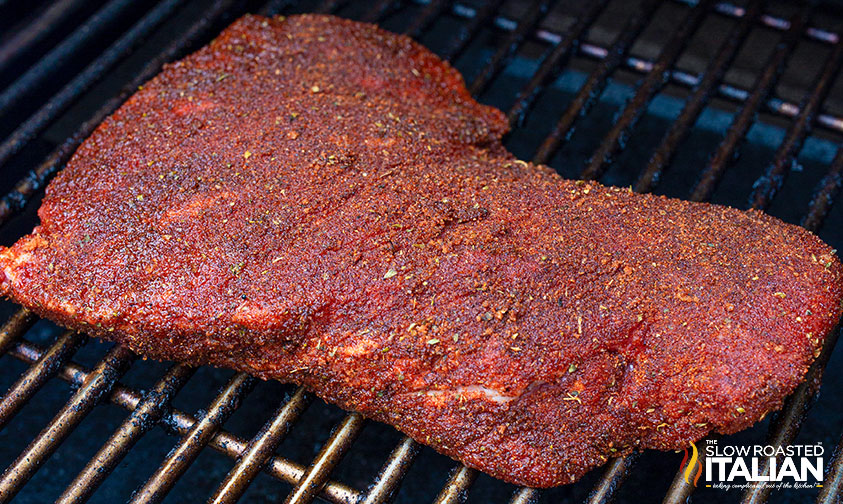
<point x="319" y="201"/>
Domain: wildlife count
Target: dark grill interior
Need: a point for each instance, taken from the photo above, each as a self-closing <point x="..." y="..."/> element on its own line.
<point x="732" y="103"/>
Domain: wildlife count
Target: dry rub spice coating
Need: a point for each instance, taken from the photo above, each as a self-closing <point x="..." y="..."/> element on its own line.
<point x="319" y="201"/>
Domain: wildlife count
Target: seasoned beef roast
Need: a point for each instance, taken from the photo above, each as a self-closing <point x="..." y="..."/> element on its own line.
<point x="322" y="202"/>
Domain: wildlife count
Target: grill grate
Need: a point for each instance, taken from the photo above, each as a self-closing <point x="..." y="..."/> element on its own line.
<point x="811" y="119"/>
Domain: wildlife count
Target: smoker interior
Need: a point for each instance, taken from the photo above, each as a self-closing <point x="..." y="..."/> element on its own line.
<point x="734" y="103"/>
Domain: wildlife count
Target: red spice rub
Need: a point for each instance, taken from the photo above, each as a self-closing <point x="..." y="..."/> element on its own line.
<point x="319" y="201"/>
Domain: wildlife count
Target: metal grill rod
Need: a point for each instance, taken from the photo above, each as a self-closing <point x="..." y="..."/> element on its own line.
<point x="48" y="65"/>
<point x="654" y="82"/>
<point x="43" y="25"/>
<point x="789" y="149"/>
<point x="787" y="422"/>
<point x="275" y="7"/>
<point x="553" y="62"/>
<point x="832" y="489"/>
<point x="15" y="327"/>
<point x="726" y="151"/>
<point x="477" y="19"/>
<point x="260" y="449"/>
<point x="149" y="411"/>
<point x="776" y="23"/>
<point x="83" y="81"/>
<point x="200" y="434"/>
<point x="35" y="179"/>
<point x="724" y="8"/>
<point x="317" y="474"/>
<point x="825" y="194"/>
<point x="37" y="375"/>
<point x="615" y="474"/>
<point x="456" y="489"/>
<point x="96" y="385"/>
<point x="517" y="37"/>
<point x="732" y="93"/>
<point x="524" y="495"/>
<point x="681" y="77"/>
<point x="179" y="423"/>
<point x="430" y="14"/>
<point x="597" y="80"/>
<point x="681" y="126"/>
<point x="393" y="471"/>
<point x="378" y="11"/>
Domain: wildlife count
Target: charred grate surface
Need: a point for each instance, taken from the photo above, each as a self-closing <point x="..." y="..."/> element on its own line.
<point x="738" y="103"/>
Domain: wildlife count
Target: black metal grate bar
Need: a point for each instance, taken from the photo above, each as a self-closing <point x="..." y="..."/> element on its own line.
<point x="553" y="62"/>
<point x="680" y="490"/>
<point x="613" y="477"/>
<point x="770" y="21"/>
<point x="15" y="327"/>
<point x="179" y="423"/>
<point x="48" y="65"/>
<point x="783" y="108"/>
<point x="432" y="12"/>
<point x="789" y="149"/>
<point x="726" y="152"/>
<point x="15" y="200"/>
<point x="477" y="20"/>
<point x="393" y="471"/>
<point x="524" y="495"/>
<point x="681" y="127"/>
<point x="535" y="13"/>
<point x="96" y="386"/>
<point x="199" y="435"/>
<point x="29" y="36"/>
<point x="378" y="11"/>
<point x="275" y="7"/>
<point x="589" y="92"/>
<point x="316" y="476"/>
<point x="724" y="8"/>
<point x="329" y="6"/>
<point x="825" y="193"/>
<point x="149" y="411"/>
<point x="680" y="77"/>
<point x="36" y="376"/>
<point x="655" y="80"/>
<point x="260" y="449"/>
<point x="832" y="490"/>
<point x="82" y="82"/>
<point x="457" y="486"/>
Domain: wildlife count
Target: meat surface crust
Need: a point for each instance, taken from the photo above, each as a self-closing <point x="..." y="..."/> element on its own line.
<point x="322" y="202"/>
